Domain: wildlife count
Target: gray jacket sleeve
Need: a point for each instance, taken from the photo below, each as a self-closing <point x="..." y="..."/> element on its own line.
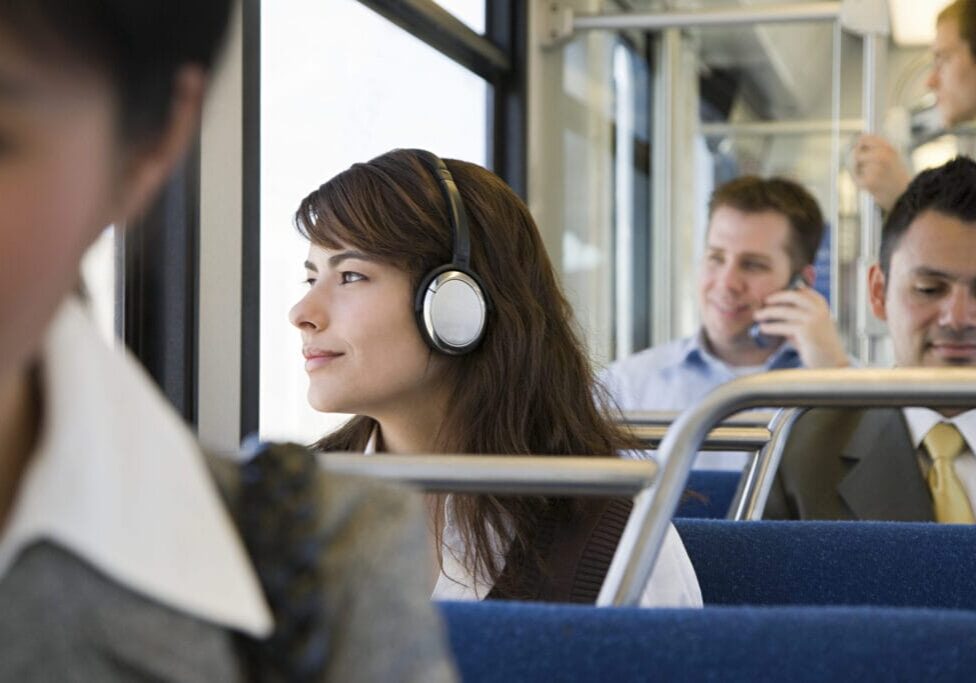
<point x="383" y="626"/>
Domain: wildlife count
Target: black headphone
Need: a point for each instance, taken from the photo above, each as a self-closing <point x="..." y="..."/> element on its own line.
<point x="450" y="304"/>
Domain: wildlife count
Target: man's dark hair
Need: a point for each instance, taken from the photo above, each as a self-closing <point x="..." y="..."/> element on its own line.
<point x="963" y="12"/>
<point x="949" y="189"/>
<point x="139" y="44"/>
<point x="752" y="194"/>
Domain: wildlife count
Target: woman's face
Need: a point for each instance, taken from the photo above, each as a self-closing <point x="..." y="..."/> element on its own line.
<point x="58" y="164"/>
<point x="363" y="351"/>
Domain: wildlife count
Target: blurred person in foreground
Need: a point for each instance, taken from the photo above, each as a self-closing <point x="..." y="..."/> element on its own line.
<point x="119" y="557"/>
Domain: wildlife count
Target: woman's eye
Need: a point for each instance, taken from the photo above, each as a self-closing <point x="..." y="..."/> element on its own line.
<point x="348" y="276"/>
<point x="309" y="281"/>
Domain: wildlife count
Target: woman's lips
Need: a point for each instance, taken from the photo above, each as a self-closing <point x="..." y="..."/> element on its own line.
<point x="317" y="359"/>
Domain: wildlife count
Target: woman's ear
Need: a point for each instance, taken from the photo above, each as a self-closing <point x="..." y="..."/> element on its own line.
<point x="149" y="165"/>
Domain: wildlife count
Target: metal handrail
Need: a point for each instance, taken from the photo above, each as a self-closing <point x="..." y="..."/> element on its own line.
<point x="502" y="474"/>
<point x="749" y="439"/>
<point x="641" y="540"/>
<point x="748" y="418"/>
<point x="757" y="481"/>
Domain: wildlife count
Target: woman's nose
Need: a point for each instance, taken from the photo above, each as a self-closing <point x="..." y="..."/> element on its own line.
<point x="307" y="314"/>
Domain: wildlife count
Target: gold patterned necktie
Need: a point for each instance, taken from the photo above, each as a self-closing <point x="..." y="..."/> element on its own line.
<point x="944" y="443"/>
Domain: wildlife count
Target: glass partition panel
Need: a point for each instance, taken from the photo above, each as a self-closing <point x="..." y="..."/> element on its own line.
<point x="768" y="99"/>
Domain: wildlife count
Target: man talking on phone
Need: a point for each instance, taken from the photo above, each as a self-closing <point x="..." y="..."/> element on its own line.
<point x="758" y="311"/>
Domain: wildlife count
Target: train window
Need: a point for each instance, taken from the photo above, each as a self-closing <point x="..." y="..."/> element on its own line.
<point x="592" y="128"/>
<point x="471" y="12"/>
<point x="382" y="88"/>
<point x="98" y="273"/>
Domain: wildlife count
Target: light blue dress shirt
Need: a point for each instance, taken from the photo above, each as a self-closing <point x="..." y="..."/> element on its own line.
<point x="676" y="375"/>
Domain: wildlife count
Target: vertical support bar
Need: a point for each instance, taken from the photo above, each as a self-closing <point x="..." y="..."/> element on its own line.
<point x="221" y="218"/>
<point x="874" y="52"/>
<point x="662" y="202"/>
<point x="837" y="297"/>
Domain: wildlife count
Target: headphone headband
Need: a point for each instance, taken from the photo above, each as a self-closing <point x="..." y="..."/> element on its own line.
<point x="455" y="209"/>
<point x="450" y="304"/>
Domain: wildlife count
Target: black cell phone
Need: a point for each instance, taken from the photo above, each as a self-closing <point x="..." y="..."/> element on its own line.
<point x="762" y="340"/>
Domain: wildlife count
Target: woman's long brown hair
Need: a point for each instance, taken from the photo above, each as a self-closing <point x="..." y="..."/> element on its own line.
<point x="528" y="388"/>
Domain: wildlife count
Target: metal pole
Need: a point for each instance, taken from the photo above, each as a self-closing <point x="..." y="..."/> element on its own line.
<point x="758" y="128"/>
<point x="662" y="207"/>
<point x="720" y="16"/>
<point x="501" y="474"/>
<point x="873" y="58"/>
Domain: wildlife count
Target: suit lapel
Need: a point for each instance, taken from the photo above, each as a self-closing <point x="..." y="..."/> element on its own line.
<point x="885" y="483"/>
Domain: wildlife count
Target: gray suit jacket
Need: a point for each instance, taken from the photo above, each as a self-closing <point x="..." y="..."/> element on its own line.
<point x="850" y="464"/>
<point x="63" y="620"/>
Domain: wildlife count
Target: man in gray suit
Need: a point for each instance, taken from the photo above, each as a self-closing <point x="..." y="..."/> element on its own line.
<point x="888" y="464"/>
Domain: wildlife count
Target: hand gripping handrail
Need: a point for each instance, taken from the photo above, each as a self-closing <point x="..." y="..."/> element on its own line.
<point x="641" y="540"/>
<point x="502" y="474"/>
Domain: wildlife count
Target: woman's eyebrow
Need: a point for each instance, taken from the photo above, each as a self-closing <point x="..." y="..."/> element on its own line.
<point x="335" y="260"/>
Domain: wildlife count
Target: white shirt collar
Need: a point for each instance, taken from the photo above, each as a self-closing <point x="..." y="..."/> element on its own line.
<point x="118" y="480"/>
<point x="921" y="420"/>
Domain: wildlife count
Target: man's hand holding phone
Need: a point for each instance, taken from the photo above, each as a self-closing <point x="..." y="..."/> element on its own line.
<point x="802" y="316"/>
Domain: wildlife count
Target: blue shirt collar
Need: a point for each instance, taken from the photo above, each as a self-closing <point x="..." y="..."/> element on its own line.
<point x="695" y="352"/>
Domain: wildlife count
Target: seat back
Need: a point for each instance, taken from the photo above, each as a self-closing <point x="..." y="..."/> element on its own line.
<point x="708" y="494"/>
<point x="498" y="641"/>
<point x="833" y="563"/>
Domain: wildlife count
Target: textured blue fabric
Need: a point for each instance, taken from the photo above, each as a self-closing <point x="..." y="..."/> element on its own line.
<point x="708" y="494"/>
<point x="495" y="641"/>
<point x="838" y="563"/>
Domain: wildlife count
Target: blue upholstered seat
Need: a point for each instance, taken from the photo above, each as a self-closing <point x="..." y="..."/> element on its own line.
<point x="838" y="563"/>
<point x="497" y="641"/>
<point x="708" y="494"/>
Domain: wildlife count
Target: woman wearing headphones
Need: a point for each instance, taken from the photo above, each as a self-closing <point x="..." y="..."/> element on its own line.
<point x="475" y="356"/>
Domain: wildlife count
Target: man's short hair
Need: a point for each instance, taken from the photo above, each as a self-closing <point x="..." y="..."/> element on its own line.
<point x="752" y="194"/>
<point x="949" y="189"/>
<point x="963" y="12"/>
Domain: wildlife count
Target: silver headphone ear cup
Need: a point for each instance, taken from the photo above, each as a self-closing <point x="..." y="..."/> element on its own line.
<point x="454" y="312"/>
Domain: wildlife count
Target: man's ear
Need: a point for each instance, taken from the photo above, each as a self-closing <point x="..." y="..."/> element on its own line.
<point x="809" y="274"/>
<point x="148" y="166"/>
<point x="876" y="292"/>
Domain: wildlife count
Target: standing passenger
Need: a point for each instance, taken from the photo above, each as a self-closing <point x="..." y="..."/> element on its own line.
<point x="878" y="168"/>
<point x="499" y="370"/>
<point x="118" y="558"/>
<point x="762" y="235"/>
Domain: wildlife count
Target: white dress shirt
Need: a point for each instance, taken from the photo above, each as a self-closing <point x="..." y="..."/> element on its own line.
<point x="921" y="420"/>
<point x="673" y="582"/>
<point x="118" y="480"/>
